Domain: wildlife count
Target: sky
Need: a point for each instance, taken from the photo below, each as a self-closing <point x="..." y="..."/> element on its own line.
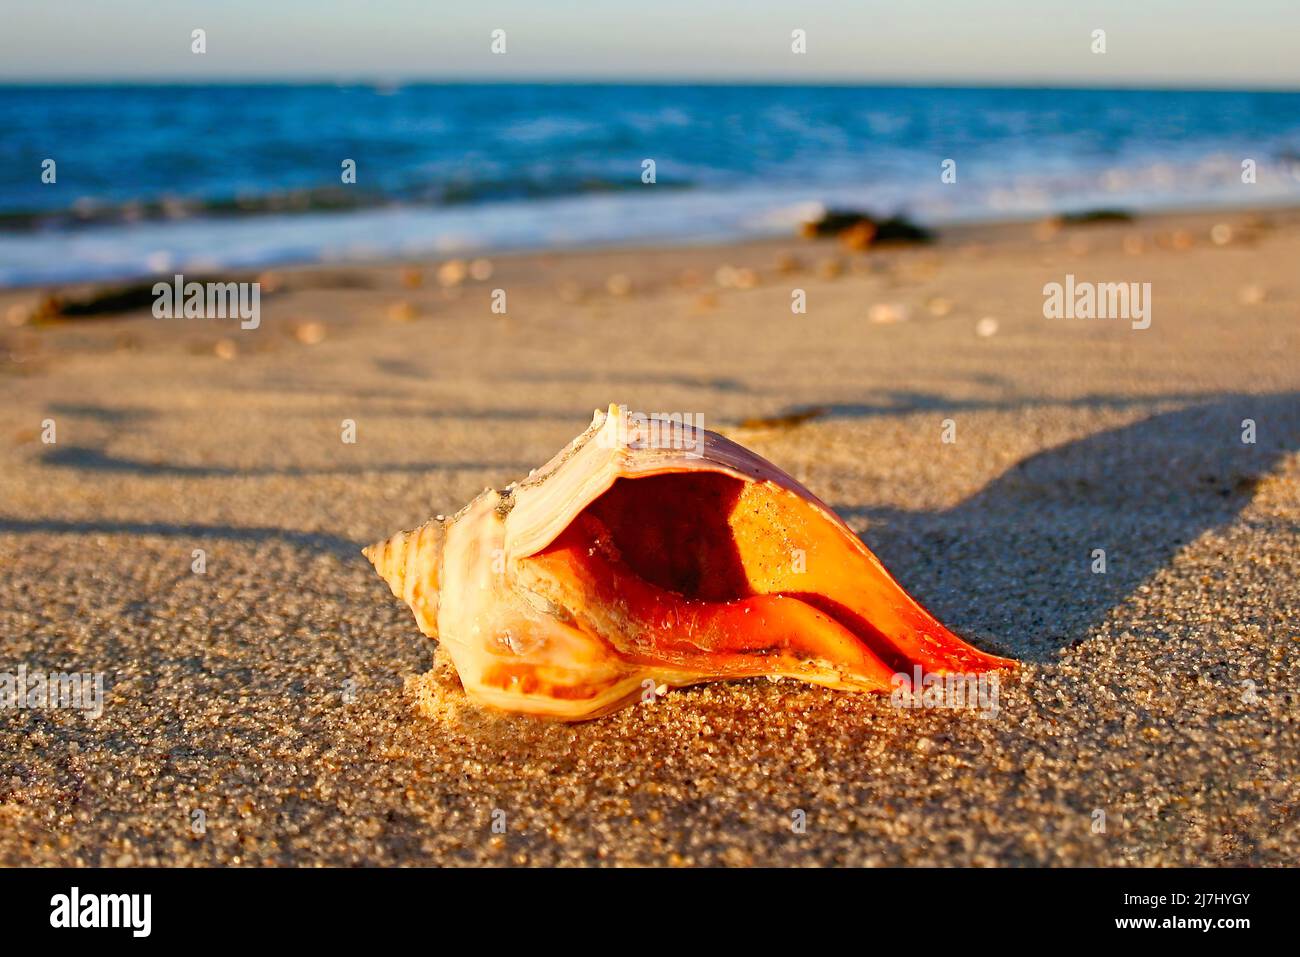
<point x="1174" y="43"/>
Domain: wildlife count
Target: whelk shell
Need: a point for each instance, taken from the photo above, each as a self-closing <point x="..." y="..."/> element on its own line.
<point x="649" y="552"/>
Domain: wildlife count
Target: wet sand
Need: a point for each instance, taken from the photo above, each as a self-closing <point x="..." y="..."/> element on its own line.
<point x="1157" y="699"/>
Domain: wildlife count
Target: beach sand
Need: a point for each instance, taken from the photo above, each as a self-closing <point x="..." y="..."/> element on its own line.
<point x="1153" y="723"/>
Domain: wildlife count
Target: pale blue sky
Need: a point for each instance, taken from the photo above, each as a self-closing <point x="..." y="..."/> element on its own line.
<point x="1229" y="43"/>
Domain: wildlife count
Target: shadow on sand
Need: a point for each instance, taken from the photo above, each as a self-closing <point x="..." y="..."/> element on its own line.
<point x="95" y="460"/>
<point x="1012" y="566"/>
<point x="309" y="541"/>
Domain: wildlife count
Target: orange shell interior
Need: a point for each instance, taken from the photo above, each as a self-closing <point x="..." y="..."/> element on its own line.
<point x="710" y="574"/>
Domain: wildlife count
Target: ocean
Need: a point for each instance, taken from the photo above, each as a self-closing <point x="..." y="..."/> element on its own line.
<point x="151" y="179"/>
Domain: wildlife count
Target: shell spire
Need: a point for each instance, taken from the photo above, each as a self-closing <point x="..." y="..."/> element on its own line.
<point x="411" y="563"/>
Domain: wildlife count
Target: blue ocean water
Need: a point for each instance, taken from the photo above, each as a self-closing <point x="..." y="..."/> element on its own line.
<point x="156" y="178"/>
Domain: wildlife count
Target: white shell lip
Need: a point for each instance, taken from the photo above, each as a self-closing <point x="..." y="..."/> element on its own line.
<point x="618" y="445"/>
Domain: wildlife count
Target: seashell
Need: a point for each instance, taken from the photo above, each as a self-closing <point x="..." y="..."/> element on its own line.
<point x="650" y="552"/>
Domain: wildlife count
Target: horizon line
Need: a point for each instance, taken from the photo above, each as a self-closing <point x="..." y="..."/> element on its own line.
<point x="378" y="80"/>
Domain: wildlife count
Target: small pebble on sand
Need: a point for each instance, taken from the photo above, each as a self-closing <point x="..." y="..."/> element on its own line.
<point x="887" y="313"/>
<point x="735" y="277"/>
<point x="1252" y="295"/>
<point x="452" y="272"/>
<point x="309" y="333"/>
<point x="939" y="306"/>
<point x="988" y="326"/>
<point x="401" y="311"/>
<point x="705" y="302"/>
<point x="1221" y="234"/>
<point x="830" y="268"/>
<point x="788" y="263"/>
<point x="480" y="270"/>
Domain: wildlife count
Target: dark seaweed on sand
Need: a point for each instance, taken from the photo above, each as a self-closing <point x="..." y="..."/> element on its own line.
<point x="1089" y="217"/>
<point x="895" y="229"/>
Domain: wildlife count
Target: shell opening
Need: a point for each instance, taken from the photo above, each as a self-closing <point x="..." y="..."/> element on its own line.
<point x="675" y="531"/>
<point x="704" y="537"/>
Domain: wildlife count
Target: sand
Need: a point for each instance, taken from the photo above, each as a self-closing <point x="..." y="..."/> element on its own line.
<point x="1157" y="699"/>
